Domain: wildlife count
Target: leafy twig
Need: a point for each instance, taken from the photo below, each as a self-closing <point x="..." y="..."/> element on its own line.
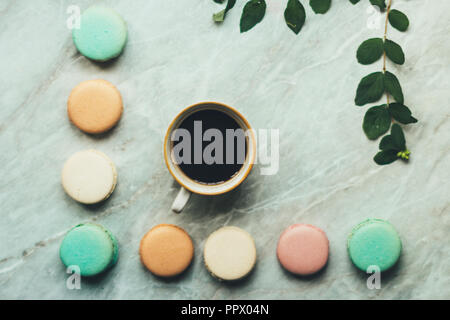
<point x="378" y="119"/>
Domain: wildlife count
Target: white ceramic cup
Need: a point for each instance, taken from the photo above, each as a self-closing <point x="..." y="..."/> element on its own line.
<point x="188" y="185"/>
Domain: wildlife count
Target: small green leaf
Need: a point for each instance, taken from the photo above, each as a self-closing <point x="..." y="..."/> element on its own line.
<point x="395" y="141"/>
<point x="380" y="3"/>
<point x="385" y="157"/>
<point x="387" y="143"/>
<point x="295" y="15"/>
<point x="398" y="20"/>
<point x="401" y="113"/>
<point x="393" y="87"/>
<point x="220" y="16"/>
<point x="354" y="1"/>
<point x="398" y="137"/>
<point x="320" y="6"/>
<point x="370" y="51"/>
<point x="394" y="52"/>
<point x="370" y="89"/>
<point x="253" y="13"/>
<point x="376" y="122"/>
<point x="218" y="1"/>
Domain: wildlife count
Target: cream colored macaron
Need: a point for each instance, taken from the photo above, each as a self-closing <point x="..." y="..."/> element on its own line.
<point x="229" y="253"/>
<point x="89" y="176"/>
<point x="95" y="106"/>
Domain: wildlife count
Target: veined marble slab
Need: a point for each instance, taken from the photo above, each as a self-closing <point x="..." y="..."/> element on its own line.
<point x="303" y="85"/>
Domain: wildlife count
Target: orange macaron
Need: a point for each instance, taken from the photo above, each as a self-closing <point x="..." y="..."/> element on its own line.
<point x="95" y="106"/>
<point x="166" y="250"/>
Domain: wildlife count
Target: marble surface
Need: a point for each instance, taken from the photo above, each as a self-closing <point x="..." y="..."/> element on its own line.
<point x="303" y="85"/>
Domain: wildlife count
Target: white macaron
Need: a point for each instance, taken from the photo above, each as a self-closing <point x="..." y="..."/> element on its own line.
<point x="89" y="176"/>
<point x="230" y="253"/>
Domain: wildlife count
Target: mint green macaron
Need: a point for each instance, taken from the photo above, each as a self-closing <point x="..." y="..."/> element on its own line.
<point x="102" y="34"/>
<point x="90" y="247"/>
<point x="374" y="242"/>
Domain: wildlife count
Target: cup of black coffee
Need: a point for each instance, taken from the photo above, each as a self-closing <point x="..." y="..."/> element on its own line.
<point x="209" y="148"/>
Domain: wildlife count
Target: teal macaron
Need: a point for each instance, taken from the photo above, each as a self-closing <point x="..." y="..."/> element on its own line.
<point x="374" y="242"/>
<point x="90" y="247"/>
<point x="101" y="35"/>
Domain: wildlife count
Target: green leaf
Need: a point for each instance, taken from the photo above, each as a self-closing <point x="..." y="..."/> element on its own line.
<point x="376" y="122"/>
<point x="385" y="157"/>
<point x="320" y="6"/>
<point x="354" y="1"/>
<point x="220" y="16"/>
<point x="395" y="141"/>
<point x="295" y="15"/>
<point x="253" y="13"/>
<point x="393" y="87"/>
<point x="380" y="3"/>
<point x="218" y="1"/>
<point x="398" y="20"/>
<point x="401" y="113"/>
<point x="387" y="143"/>
<point x="370" y="89"/>
<point x="398" y="137"/>
<point x="370" y="51"/>
<point x="394" y="52"/>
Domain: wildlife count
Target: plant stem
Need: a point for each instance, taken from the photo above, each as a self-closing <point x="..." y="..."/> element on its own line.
<point x="385" y="36"/>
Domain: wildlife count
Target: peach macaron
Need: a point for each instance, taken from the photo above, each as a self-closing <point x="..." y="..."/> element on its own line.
<point x="166" y="250"/>
<point x="95" y="106"/>
<point x="303" y="249"/>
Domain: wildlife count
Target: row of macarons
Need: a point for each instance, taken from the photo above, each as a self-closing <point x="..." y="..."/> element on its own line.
<point x="229" y="253"/>
<point x="94" y="106"/>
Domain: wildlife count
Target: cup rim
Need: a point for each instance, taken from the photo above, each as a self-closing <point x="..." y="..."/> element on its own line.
<point x="250" y="160"/>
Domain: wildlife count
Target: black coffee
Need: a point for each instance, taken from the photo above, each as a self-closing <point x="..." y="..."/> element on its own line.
<point x="216" y="147"/>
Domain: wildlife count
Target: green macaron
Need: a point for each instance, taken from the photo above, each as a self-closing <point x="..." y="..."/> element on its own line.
<point x="90" y="247"/>
<point x="101" y="35"/>
<point x="374" y="242"/>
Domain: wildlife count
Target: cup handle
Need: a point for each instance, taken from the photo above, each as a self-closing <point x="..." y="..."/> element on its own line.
<point x="181" y="200"/>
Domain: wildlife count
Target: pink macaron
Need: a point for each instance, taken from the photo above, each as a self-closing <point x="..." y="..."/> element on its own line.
<point x="303" y="249"/>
